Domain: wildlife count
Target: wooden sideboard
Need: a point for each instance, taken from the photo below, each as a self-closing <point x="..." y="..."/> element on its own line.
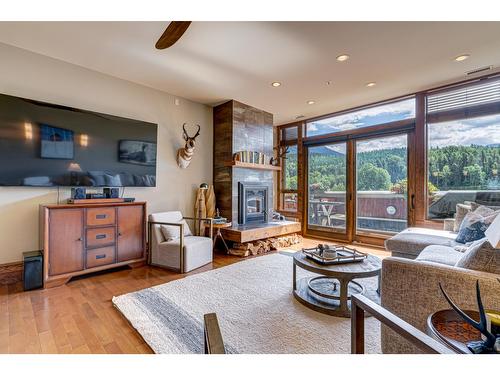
<point x="79" y="239"/>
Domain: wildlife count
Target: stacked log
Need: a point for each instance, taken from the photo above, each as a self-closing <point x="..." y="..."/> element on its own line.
<point x="264" y="246"/>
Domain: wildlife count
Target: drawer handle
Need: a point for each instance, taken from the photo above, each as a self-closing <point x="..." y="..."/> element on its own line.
<point x="101" y="216"/>
<point x="102" y="256"/>
<point x="100" y="236"/>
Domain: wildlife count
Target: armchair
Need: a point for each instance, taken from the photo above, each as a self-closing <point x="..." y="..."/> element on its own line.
<point x="184" y="253"/>
<point x="410" y="290"/>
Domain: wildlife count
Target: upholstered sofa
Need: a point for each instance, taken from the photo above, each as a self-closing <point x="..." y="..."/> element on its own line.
<point x="423" y="258"/>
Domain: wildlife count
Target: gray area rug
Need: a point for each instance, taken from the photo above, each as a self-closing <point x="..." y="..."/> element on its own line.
<point x="256" y="310"/>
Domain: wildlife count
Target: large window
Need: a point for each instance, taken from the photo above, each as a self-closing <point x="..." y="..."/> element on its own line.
<point x="463" y="164"/>
<point x="375" y="170"/>
<point x="377" y="115"/>
<point x="463" y="148"/>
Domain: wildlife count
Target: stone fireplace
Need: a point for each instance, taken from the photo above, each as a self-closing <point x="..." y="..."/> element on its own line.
<point x="253" y="203"/>
<point x="239" y="127"/>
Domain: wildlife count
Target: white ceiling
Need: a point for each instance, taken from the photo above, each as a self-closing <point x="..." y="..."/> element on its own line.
<point x="217" y="61"/>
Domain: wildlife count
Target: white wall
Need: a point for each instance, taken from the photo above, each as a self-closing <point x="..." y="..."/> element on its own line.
<point x="30" y="75"/>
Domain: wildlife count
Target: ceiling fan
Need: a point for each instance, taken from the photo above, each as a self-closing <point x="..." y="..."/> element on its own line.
<point x="172" y="34"/>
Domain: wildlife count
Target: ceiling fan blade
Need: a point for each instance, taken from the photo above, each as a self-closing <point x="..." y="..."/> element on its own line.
<point x="172" y="34"/>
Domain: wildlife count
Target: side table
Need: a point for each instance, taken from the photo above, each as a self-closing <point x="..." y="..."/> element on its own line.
<point x="447" y="327"/>
<point x="218" y="234"/>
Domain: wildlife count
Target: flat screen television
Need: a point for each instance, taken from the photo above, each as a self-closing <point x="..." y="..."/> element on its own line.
<point x="45" y="144"/>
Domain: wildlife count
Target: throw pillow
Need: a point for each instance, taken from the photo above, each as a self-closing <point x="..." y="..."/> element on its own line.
<point x="475" y="206"/>
<point x="472" y="228"/>
<point x="481" y="256"/>
<point x="461" y="211"/>
<point x="483" y="211"/>
<point x="171" y="232"/>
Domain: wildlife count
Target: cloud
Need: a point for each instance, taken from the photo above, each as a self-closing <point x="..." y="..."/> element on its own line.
<point x="479" y="131"/>
<point x="365" y="117"/>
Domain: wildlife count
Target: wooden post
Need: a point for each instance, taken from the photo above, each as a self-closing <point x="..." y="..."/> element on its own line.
<point x="212" y="335"/>
<point x="357" y="329"/>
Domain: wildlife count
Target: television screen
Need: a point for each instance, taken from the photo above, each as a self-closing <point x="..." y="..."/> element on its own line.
<point x="44" y="144"/>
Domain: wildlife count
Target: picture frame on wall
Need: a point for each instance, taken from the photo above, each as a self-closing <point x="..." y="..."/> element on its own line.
<point x="56" y="143"/>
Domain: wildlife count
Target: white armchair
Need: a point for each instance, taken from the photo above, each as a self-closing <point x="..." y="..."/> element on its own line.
<point x="182" y="253"/>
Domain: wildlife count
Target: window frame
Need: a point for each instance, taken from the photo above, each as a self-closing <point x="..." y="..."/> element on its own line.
<point x="417" y="159"/>
<point x="282" y="188"/>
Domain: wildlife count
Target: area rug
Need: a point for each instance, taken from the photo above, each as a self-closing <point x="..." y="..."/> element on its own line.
<point x="255" y="307"/>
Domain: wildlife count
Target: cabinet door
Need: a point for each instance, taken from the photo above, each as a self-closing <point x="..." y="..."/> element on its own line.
<point x="65" y="241"/>
<point x="130" y="232"/>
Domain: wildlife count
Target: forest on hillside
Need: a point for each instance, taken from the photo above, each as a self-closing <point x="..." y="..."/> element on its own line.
<point x="450" y="168"/>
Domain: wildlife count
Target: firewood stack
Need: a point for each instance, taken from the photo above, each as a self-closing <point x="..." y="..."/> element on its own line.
<point x="264" y="246"/>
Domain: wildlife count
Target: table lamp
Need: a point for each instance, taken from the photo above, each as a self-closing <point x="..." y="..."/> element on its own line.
<point x="493" y="233"/>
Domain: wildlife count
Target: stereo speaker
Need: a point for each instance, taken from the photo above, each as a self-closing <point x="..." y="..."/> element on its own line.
<point x="32" y="270"/>
<point x="78" y="193"/>
<point x="112" y="192"/>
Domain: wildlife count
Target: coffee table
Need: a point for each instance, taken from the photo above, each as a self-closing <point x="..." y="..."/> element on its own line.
<point x="330" y="293"/>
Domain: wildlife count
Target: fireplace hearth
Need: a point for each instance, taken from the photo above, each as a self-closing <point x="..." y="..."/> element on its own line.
<point x="252" y="203"/>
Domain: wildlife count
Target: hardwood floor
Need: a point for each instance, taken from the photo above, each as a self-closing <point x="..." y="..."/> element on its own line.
<point x="79" y="317"/>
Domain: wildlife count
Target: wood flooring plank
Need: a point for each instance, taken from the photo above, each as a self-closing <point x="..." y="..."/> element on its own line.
<point x="47" y="342"/>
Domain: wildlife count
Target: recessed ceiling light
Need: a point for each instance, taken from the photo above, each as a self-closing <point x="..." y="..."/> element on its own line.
<point x="276" y="84"/>
<point x="311" y="102"/>
<point x="329" y="83"/>
<point x="462" y="57"/>
<point x="370" y="84"/>
<point x="342" y="58"/>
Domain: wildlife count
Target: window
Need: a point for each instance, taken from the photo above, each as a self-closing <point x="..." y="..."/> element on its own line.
<point x="290" y="177"/>
<point x="288" y="140"/>
<point x="290" y="167"/>
<point x="382" y="184"/>
<point x="377" y="115"/>
<point x="463" y="148"/>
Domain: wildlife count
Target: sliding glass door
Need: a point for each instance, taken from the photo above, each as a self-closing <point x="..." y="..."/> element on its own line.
<point x="327" y="189"/>
<point x="358" y="188"/>
<point x="382" y="184"/>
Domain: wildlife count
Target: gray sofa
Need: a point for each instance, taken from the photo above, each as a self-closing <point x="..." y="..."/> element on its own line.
<point x="423" y="258"/>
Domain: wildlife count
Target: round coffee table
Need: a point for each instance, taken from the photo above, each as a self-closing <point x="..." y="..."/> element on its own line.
<point x="331" y="292"/>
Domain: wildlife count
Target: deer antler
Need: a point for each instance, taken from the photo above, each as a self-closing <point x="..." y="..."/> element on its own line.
<point x="186" y="135"/>
<point x="481" y="326"/>
<point x="198" y="132"/>
<point x="283" y="151"/>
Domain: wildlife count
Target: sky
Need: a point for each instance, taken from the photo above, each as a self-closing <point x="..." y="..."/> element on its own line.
<point x="478" y="131"/>
<point x="363" y="118"/>
<point x="475" y="131"/>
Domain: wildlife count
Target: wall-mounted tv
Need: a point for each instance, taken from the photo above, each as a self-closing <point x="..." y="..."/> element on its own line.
<point x="45" y="144"/>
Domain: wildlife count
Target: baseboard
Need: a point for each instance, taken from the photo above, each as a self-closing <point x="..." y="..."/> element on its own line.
<point x="11" y="273"/>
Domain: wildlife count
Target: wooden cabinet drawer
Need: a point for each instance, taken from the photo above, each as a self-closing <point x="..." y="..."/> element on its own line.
<point x="100" y="257"/>
<point x="101" y="216"/>
<point x="100" y="236"/>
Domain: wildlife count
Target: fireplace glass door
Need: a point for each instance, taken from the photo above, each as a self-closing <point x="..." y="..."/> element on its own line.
<point x="252" y="201"/>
